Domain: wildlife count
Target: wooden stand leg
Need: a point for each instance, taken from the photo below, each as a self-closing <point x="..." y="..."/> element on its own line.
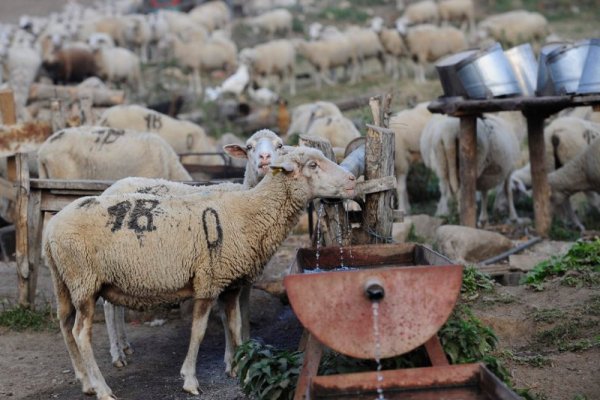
<point x="539" y="177"/>
<point x="310" y="368"/>
<point x="435" y="351"/>
<point x="34" y="238"/>
<point x="21" y="230"/>
<point x="468" y="170"/>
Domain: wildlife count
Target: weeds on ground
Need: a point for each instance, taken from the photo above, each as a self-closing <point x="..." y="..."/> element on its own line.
<point x="548" y="315"/>
<point x="560" y="231"/>
<point x="571" y="334"/>
<point x="579" y="266"/>
<point x="21" y="319"/>
<point x="474" y="282"/>
<point x="534" y="360"/>
<point x="349" y="14"/>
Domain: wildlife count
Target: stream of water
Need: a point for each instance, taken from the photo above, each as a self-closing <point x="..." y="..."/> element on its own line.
<point x="377" y="337"/>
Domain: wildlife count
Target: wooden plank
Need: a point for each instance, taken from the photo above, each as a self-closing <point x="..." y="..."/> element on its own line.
<point x="376" y="185"/>
<point x="7" y="107"/>
<point x="310" y="367"/>
<point x="435" y="351"/>
<point x="8" y="190"/>
<point x="468" y="170"/>
<point x="55" y="203"/>
<point x="35" y="224"/>
<point x="539" y="176"/>
<point x="66" y="184"/>
<point x="22" y="250"/>
<point x="23" y="137"/>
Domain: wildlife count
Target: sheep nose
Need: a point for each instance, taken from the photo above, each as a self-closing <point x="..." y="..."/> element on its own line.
<point x="351" y="177"/>
<point x="265" y="156"/>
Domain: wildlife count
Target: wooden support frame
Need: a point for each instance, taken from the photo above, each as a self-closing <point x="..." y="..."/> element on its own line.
<point x="535" y="110"/>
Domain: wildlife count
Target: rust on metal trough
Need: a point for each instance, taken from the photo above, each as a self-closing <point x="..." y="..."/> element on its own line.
<point x="23" y="137"/>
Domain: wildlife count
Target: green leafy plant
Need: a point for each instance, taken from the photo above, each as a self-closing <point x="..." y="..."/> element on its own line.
<point x="266" y="372"/>
<point x="349" y="14"/>
<point x="21" y="319"/>
<point x="580" y="265"/>
<point x="414" y="237"/>
<point x="474" y="282"/>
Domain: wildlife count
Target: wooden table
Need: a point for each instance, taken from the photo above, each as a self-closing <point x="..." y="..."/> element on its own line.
<point x="535" y="110"/>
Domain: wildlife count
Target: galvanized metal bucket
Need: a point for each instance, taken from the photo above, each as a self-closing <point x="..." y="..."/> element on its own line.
<point x="565" y="66"/>
<point x="545" y="86"/>
<point x="590" y="78"/>
<point x="525" y="66"/>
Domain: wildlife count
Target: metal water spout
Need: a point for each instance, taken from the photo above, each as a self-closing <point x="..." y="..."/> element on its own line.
<point x="374" y="290"/>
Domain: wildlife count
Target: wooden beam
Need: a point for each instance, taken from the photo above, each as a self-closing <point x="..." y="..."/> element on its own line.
<point x="376" y="185"/>
<point x="468" y="170"/>
<point x="21" y="237"/>
<point x="99" y="97"/>
<point x="539" y="176"/>
<point x="7" y="107"/>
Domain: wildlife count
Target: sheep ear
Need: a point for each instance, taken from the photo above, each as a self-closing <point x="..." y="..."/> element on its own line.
<point x="286" y="167"/>
<point x="235" y="151"/>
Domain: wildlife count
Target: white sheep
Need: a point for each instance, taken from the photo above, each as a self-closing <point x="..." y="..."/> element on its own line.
<point x="422" y="12"/>
<point x="118" y="64"/>
<point x="189" y="246"/>
<point x="497" y="153"/>
<point x="338" y="130"/>
<point x="587" y="113"/>
<point x="211" y="15"/>
<point x="366" y="45"/>
<point x="459" y="11"/>
<point x="107" y="154"/>
<point x="325" y="55"/>
<point x="183" y="136"/>
<point x="260" y="150"/>
<point x="427" y="43"/>
<point x="21" y="67"/>
<point x="277" y="57"/>
<point x="137" y="33"/>
<point x="271" y="22"/>
<point x="580" y="174"/>
<point x="514" y="27"/>
<point x="304" y="115"/>
<point x="407" y="126"/>
<point x="393" y="46"/>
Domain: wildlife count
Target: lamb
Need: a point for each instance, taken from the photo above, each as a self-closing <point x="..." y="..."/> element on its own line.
<point x="202" y="260"/>
<point x="407" y="126"/>
<point x="261" y="149"/>
<point x="422" y="12"/>
<point x="271" y="22"/>
<point x="461" y="11"/>
<point x="277" y="57"/>
<point x="514" y="27"/>
<point x="304" y="115"/>
<point x="427" y="43"/>
<point x="580" y="174"/>
<point x="327" y="54"/>
<point x="497" y="152"/>
<point x="107" y="154"/>
<point x="183" y="136"/>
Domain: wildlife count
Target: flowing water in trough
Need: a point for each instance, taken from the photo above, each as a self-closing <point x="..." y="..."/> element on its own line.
<point x="377" y="336"/>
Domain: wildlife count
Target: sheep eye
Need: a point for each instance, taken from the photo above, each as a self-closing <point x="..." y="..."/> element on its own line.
<point x="313" y="165"/>
<point x="279" y="145"/>
<point x="249" y="147"/>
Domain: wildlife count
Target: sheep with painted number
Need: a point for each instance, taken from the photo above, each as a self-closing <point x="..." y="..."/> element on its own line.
<point x="407" y="126"/>
<point x="106" y="154"/>
<point x="514" y="27"/>
<point x="260" y="150"/>
<point x="187" y="247"/>
<point x="497" y="153"/>
<point x="274" y="58"/>
<point x="422" y="12"/>
<point x="183" y="136"/>
<point x="427" y="43"/>
<point x="580" y="174"/>
<point x="271" y="22"/>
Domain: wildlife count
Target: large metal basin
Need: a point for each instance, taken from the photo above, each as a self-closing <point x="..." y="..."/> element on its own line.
<point x="333" y="307"/>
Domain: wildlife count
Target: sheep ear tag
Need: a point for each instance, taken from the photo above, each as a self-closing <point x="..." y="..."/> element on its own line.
<point x="285" y="167"/>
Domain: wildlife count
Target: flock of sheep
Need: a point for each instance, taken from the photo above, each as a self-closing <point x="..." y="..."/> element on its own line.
<point x="211" y="242"/>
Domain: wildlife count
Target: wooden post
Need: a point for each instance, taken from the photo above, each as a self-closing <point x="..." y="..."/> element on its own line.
<point x="468" y="170"/>
<point x="35" y="224"/>
<point x="85" y="105"/>
<point x="7" y="107"/>
<point x="539" y="177"/>
<point x="310" y="367"/>
<point x="21" y="231"/>
<point x="378" y="217"/>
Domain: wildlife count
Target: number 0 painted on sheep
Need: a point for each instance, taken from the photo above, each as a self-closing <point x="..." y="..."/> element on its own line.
<point x="214" y="238"/>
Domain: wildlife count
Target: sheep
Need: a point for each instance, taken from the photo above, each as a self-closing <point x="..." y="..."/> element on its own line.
<point x="277" y="57"/>
<point x="108" y="240"/>
<point x="407" y="126"/>
<point x="580" y="174"/>
<point x="212" y="15"/>
<point x="422" y="12"/>
<point x="427" y="43"/>
<point x="112" y="26"/>
<point x="393" y="45"/>
<point x="261" y="149"/>
<point x="107" y="154"/>
<point x="338" y="130"/>
<point x="67" y="65"/>
<point x="366" y="45"/>
<point x="137" y="33"/>
<point x="271" y="22"/>
<point x="118" y="64"/>
<point x="21" y="66"/>
<point x="183" y="136"/>
<point x="514" y="27"/>
<point x="497" y="152"/>
<point x="461" y="11"/>
<point x="327" y="54"/>
<point x="304" y="115"/>
<point x="587" y="113"/>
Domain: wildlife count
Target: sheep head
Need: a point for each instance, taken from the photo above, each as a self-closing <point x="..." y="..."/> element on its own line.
<point x="261" y="149"/>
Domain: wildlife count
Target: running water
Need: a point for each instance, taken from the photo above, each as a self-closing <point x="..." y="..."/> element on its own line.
<point x="339" y="235"/>
<point x="377" y="335"/>
<point x="320" y="212"/>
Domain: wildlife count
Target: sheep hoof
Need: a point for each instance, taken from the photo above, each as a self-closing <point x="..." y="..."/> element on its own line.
<point x="88" y="390"/>
<point x="120" y="363"/>
<point x="128" y="350"/>
<point x="191" y="386"/>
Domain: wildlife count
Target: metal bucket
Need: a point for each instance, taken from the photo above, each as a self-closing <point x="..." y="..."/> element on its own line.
<point x="524" y="65"/>
<point x="448" y="73"/>
<point x="590" y="78"/>
<point x="565" y="66"/>
<point x="545" y="86"/>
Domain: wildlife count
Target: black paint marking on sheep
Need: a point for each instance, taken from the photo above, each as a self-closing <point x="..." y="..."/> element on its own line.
<point x="217" y="241"/>
<point x="158" y="190"/>
<point x="57" y="136"/>
<point x="153" y="121"/>
<point x="589" y="136"/>
<point x="88" y="202"/>
<point x="118" y="211"/>
<point x="143" y="209"/>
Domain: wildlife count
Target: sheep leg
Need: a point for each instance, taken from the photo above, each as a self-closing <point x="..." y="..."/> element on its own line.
<point x="403" y="203"/>
<point x="508" y="193"/>
<point x="419" y="72"/>
<point x="199" y="321"/>
<point x="124" y="344"/>
<point x="483" y="214"/>
<point x="292" y="78"/>
<point x="82" y="331"/>
<point x="116" y="354"/>
<point x="66" y="318"/>
<point x="232" y="318"/>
